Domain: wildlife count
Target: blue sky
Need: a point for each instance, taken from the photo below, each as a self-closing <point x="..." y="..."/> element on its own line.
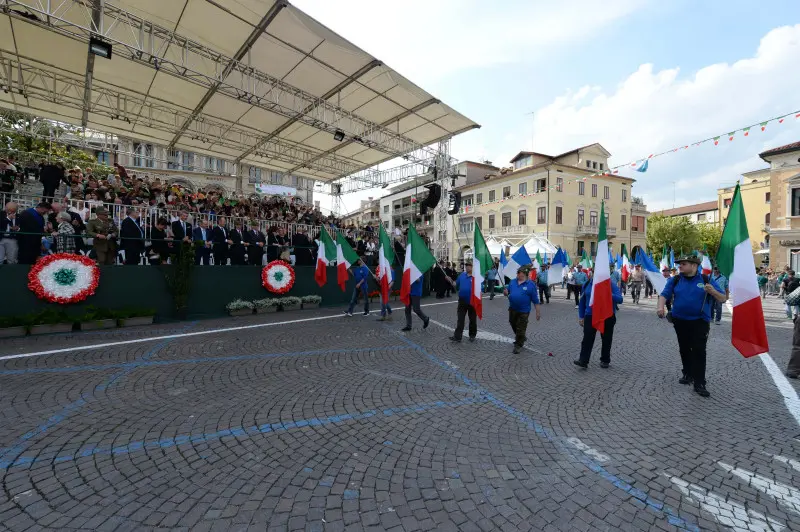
<point x="638" y="76"/>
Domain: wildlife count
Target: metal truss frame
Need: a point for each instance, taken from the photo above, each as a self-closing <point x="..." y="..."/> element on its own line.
<point x="31" y="80"/>
<point x="149" y="44"/>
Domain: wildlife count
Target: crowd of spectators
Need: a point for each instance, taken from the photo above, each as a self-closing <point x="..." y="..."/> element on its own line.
<point x="124" y="218"/>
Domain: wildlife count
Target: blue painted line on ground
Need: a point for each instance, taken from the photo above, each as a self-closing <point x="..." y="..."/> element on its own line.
<point x="20" y="445"/>
<point x="267" y="428"/>
<point x="151" y="363"/>
<point x="671" y="515"/>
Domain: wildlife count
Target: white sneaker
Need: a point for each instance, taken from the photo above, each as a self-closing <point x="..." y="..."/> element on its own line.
<point x="348" y="314"/>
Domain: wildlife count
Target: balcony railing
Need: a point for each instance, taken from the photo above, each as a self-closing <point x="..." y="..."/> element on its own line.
<point x="593" y="230"/>
<point x="765" y="228"/>
<point x="509" y="230"/>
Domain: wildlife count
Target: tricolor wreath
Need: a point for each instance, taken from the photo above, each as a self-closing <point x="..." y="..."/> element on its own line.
<point x="64" y="278"/>
<point x="277" y="277"/>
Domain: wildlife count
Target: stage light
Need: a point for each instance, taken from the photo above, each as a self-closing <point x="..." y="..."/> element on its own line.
<point x="338" y="136"/>
<point x="98" y="47"/>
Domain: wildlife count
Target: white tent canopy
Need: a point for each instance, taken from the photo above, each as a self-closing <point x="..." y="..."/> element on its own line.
<point x="532" y="245"/>
<point x="252" y="81"/>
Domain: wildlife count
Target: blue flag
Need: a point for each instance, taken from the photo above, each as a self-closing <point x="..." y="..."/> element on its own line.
<point x="518" y="259"/>
<point x="503" y="263"/>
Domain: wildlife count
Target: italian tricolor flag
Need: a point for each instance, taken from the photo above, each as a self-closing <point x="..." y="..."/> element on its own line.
<point x="705" y="262"/>
<point x="345" y="257"/>
<point x="481" y="263"/>
<point x="385" y="261"/>
<point x="735" y="261"/>
<point x="600" y="301"/>
<point x="626" y="265"/>
<point x="418" y="261"/>
<point x="325" y="255"/>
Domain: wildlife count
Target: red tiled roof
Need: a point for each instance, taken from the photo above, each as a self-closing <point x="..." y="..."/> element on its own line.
<point x="794" y="146"/>
<point x="691" y="209"/>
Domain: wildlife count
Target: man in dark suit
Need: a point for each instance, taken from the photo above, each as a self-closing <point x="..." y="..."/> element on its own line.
<point x="303" y="252"/>
<point x="132" y="237"/>
<point x="181" y="229"/>
<point x="255" y="244"/>
<point x="50" y="175"/>
<point x="31" y="228"/>
<point x="222" y="239"/>
<point x="202" y="244"/>
<point x="237" y="249"/>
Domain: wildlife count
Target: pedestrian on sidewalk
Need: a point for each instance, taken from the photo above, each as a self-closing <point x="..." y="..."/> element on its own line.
<point x="542" y="280"/>
<point x="521" y="293"/>
<point x="793" y="368"/>
<point x="692" y="296"/>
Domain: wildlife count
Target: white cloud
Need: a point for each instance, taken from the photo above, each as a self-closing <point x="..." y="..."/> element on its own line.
<point x="427" y="39"/>
<point x="651" y="111"/>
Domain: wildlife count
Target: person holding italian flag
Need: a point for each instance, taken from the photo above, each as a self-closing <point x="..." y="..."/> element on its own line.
<point x="598" y="303"/>
<point x="418" y="260"/>
<point x="385" y="274"/>
<point x="468" y="285"/>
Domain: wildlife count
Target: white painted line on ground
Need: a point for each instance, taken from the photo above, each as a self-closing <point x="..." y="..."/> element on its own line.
<point x="484" y="335"/>
<point x="185" y="335"/>
<point x="785" y="494"/>
<point x="591" y="451"/>
<point x="790" y="398"/>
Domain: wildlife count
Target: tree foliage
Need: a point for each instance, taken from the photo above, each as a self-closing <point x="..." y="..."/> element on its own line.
<point x="710" y="236"/>
<point x="676" y="232"/>
<point x="26" y="137"/>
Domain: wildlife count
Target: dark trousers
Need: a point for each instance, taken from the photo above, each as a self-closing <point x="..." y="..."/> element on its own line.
<point x="575" y="289"/>
<point x="416" y="308"/>
<point x="132" y="257"/>
<point x="519" y="324"/>
<point x="49" y="192"/>
<point x="465" y="308"/>
<point x="220" y="254"/>
<point x="716" y="310"/>
<point x="363" y="291"/>
<point x="648" y="289"/>
<point x="255" y="255"/>
<point x="544" y="292"/>
<point x="490" y="284"/>
<point x="794" y="362"/>
<point x="202" y="254"/>
<point x="590" y="333"/>
<point x="692" y="338"/>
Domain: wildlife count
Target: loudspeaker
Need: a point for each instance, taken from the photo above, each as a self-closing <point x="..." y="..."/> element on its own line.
<point x="423" y="208"/>
<point x="337" y="189"/>
<point x="454" y="203"/>
<point x="434" y="195"/>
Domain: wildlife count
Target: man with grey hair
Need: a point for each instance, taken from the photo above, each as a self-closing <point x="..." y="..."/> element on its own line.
<point x="8" y="240"/>
<point x="65" y="234"/>
<point x="132" y="237"/>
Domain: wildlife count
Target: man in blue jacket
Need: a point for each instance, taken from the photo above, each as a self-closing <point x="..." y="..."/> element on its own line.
<point x="693" y="295"/>
<point x="521" y="293"/>
<point x="361" y="274"/>
<point x="463" y="284"/>
<point x="589" y="332"/>
<point x="722" y="282"/>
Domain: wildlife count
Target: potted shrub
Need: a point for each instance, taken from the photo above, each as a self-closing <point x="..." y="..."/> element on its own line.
<point x="135" y="317"/>
<point x="291" y="303"/>
<point x="240" y="307"/>
<point x="95" y="318"/>
<point x="268" y="304"/>
<point x="51" y="321"/>
<point x="11" y="326"/>
<point x="312" y="301"/>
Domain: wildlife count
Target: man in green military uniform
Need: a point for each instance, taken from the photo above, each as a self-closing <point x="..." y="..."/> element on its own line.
<point x="104" y="234"/>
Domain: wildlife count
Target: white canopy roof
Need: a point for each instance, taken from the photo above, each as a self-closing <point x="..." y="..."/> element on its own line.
<point x="253" y="81"/>
<point x="532" y="245"/>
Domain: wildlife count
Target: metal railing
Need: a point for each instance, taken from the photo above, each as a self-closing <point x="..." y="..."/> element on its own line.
<point x="594" y="229"/>
<point x="150" y="215"/>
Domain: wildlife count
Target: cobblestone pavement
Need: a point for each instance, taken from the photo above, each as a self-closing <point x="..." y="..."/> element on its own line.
<point x="333" y="423"/>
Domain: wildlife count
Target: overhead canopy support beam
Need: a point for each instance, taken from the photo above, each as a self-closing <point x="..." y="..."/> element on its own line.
<point x="97" y="23"/>
<point x="385" y="124"/>
<point x="239" y="56"/>
<point x="338" y="88"/>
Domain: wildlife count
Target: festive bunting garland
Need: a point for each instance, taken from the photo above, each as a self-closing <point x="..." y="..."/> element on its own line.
<point x="641" y="164"/>
<point x="277" y="277"/>
<point x="64" y="278"/>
